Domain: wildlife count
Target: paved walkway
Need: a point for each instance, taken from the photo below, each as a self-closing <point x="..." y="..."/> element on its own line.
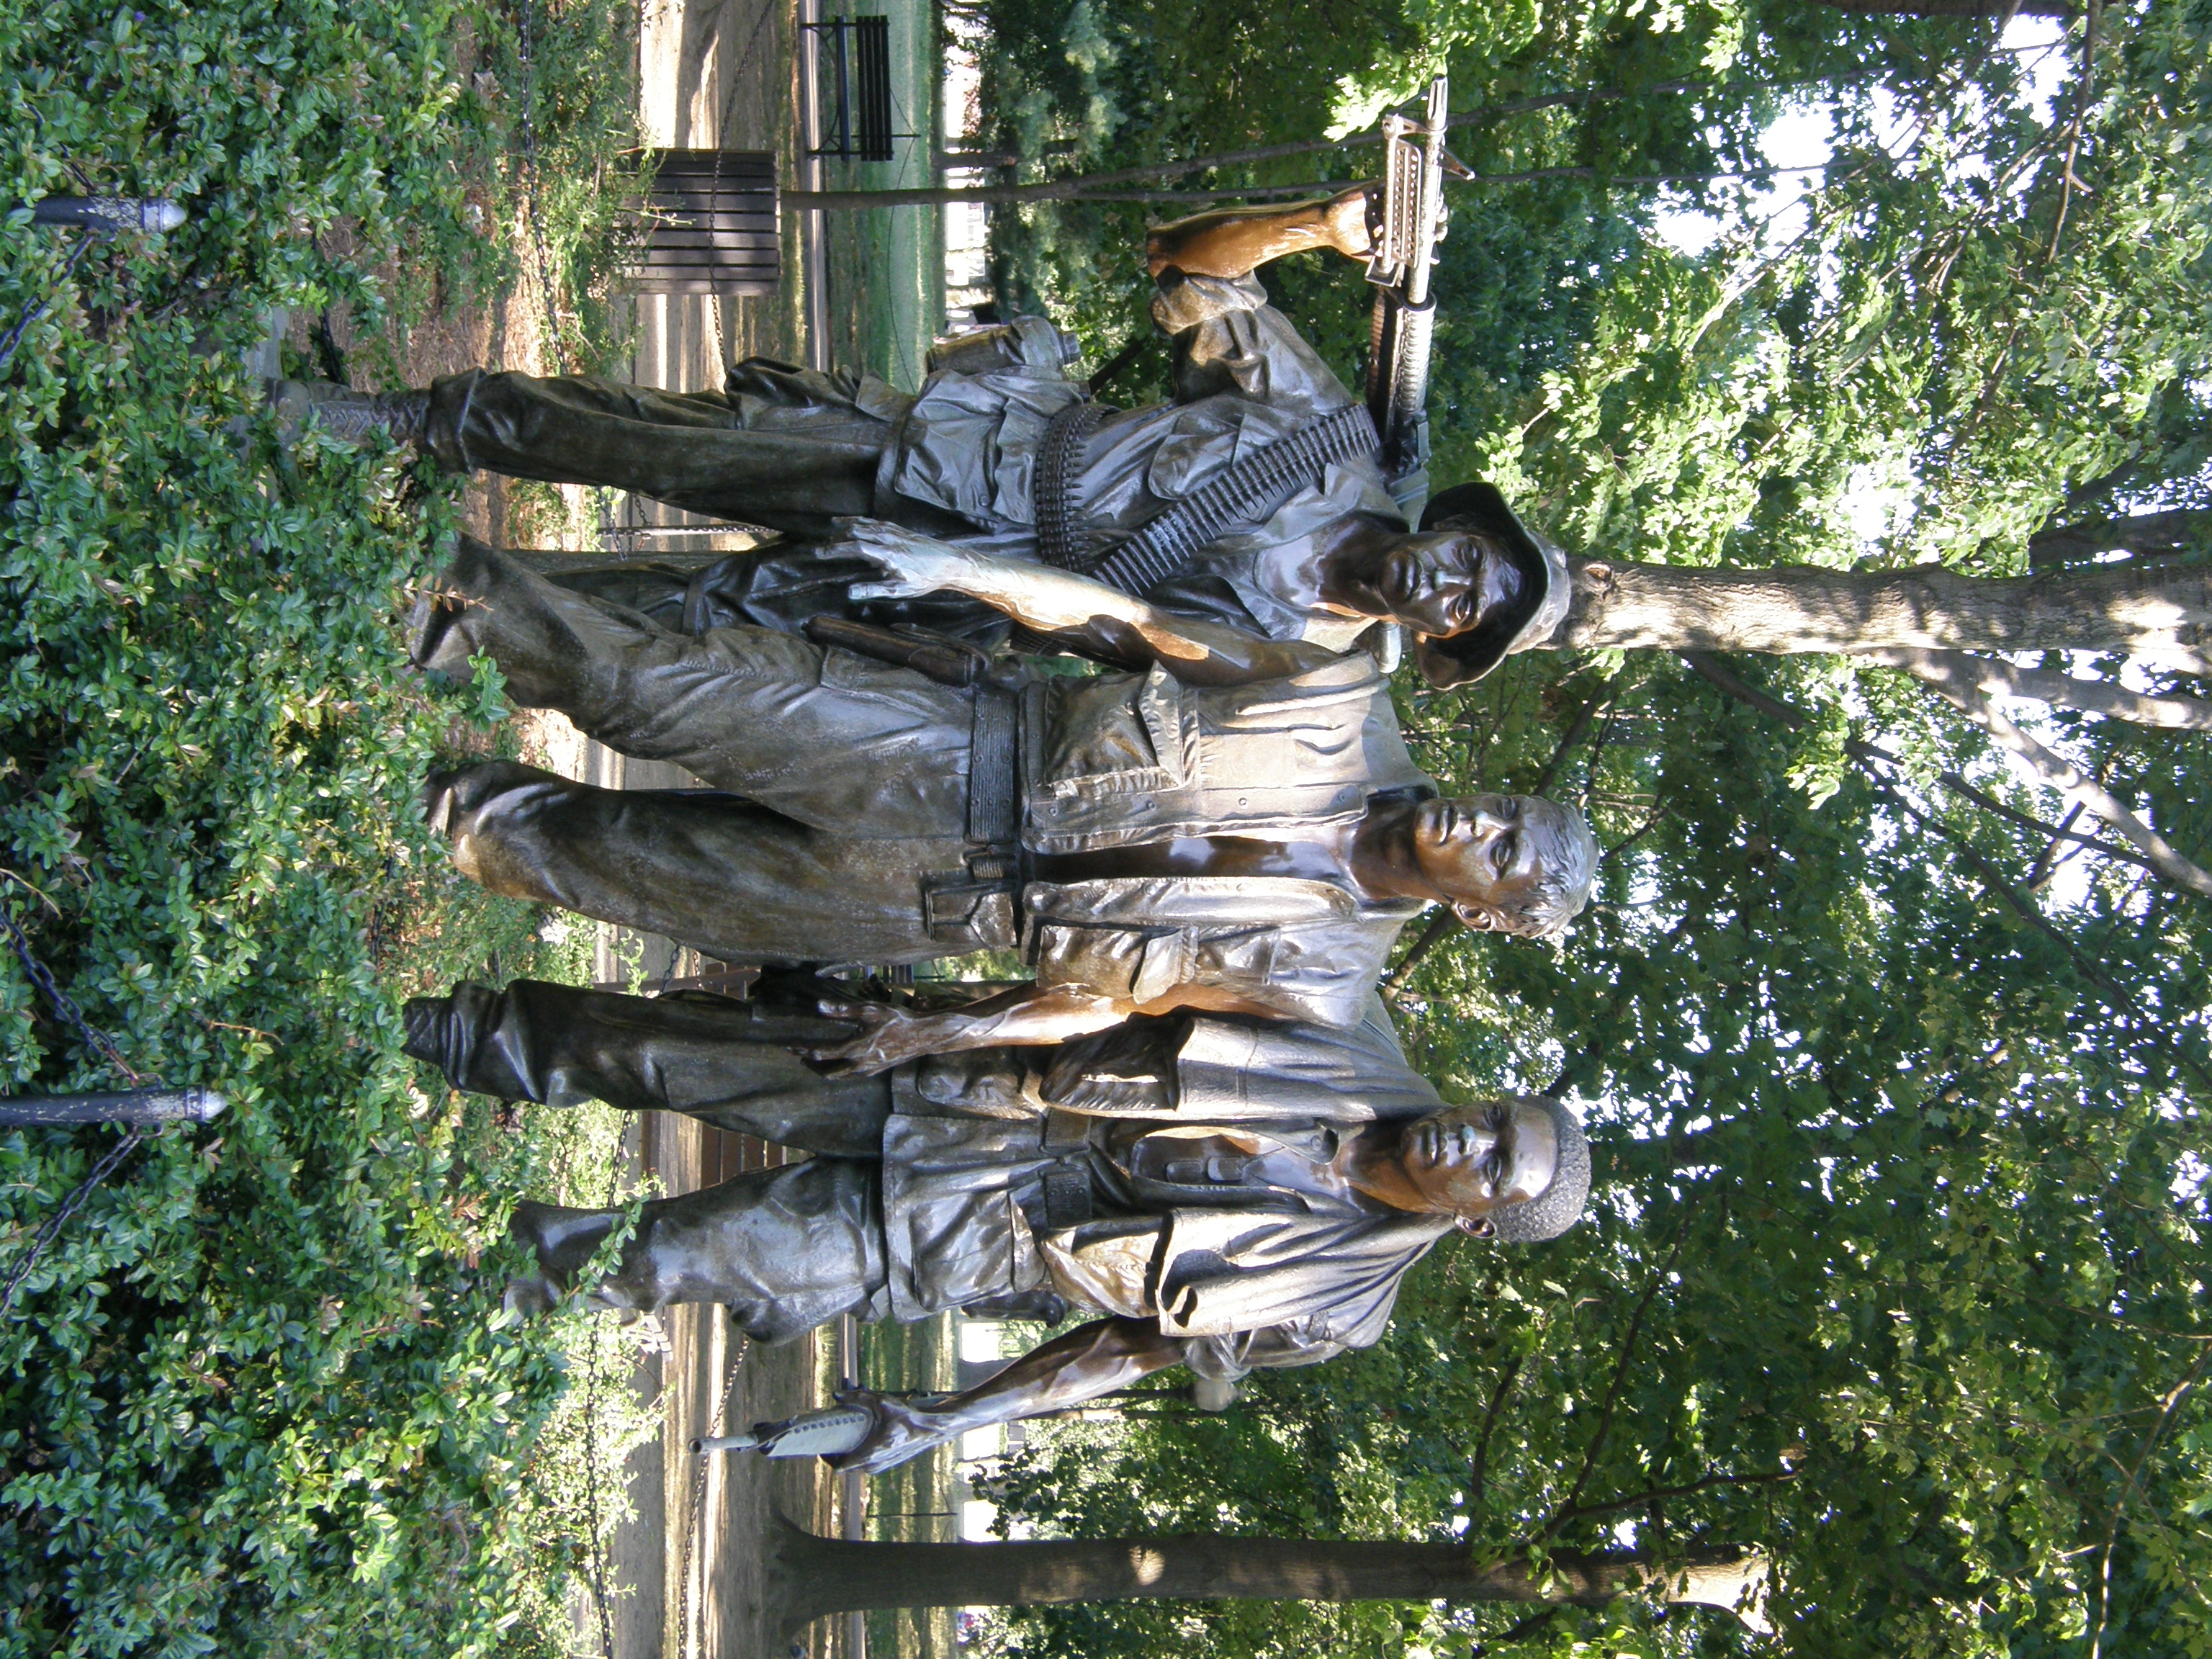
<point x="720" y="74"/>
<point x="715" y="74"/>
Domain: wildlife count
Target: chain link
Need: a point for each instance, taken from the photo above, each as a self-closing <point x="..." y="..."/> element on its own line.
<point x="95" y="1039"/>
<point x="38" y="308"/>
<point x="99" y="1042"/>
<point x="696" y="1518"/>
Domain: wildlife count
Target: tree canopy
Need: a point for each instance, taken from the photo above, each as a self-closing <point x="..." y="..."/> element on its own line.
<point x="1897" y="1266"/>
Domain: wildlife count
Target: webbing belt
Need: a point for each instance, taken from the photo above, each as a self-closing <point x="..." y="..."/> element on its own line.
<point x="994" y="786"/>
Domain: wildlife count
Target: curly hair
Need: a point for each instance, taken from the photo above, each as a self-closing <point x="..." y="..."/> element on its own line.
<point x="1560" y="1205"/>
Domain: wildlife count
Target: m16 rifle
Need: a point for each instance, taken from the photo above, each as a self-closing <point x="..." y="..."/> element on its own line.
<point x="1406" y="226"/>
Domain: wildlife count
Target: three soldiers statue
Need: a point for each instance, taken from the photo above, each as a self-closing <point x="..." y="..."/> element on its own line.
<point x="1196" y="1126"/>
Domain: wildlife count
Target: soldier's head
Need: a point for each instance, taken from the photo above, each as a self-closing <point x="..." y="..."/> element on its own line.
<point x="1512" y="864"/>
<point x="1437" y="583"/>
<point x="1474" y="584"/>
<point x="1515" y="1168"/>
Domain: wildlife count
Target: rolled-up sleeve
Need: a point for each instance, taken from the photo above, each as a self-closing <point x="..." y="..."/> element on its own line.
<point x="1229" y="339"/>
<point x="1274" y="1348"/>
<point x="1181" y="303"/>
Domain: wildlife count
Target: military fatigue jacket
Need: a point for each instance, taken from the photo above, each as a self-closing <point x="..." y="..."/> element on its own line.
<point x="1227" y="1228"/>
<point x="1243" y="378"/>
<point x="1121" y="760"/>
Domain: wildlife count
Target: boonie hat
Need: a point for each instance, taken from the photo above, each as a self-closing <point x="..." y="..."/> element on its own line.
<point x="1449" y="659"/>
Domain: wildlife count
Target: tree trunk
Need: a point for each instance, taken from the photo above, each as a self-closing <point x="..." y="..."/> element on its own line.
<point x="2148" y="611"/>
<point x="812" y="1576"/>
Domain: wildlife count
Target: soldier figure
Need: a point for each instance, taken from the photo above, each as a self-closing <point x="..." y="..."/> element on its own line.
<point x="1223" y="1193"/>
<point x="1239" y="826"/>
<point x="1003" y="454"/>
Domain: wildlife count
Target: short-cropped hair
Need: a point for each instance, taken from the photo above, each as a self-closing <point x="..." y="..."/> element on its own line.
<point x="1560" y="1205"/>
<point x="1570" y="870"/>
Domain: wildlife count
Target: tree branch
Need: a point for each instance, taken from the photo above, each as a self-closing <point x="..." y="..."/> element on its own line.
<point x="2001" y="678"/>
<point x="2067" y="181"/>
<point x="1993" y="880"/>
<point x="2140" y="533"/>
<point x="1989" y="9"/>
<point x="1943" y="670"/>
<point x="1576" y="727"/>
<point x="2040" y="871"/>
<point x="1519" y="1631"/>
<point x="2062" y="832"/>
<point x="2120" y="1000"/>
<point x="1481" y="1473"/>
<point x="1566" y="1510"/>
<point x="2173" y="1404"/>
<point x="1870" y="756"/>
<point x="1440" y="928"/>
<point x="1577" y="1510"/>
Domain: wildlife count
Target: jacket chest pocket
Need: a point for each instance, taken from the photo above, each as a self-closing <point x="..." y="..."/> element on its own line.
<point x="1141" y="965"/>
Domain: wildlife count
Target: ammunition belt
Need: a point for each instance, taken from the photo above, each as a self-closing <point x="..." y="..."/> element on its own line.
<point x="1061" y="542"/>
<point x="1242" y="495"/>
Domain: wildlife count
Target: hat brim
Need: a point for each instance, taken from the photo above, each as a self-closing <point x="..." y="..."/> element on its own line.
<point x="1449" y="660"/>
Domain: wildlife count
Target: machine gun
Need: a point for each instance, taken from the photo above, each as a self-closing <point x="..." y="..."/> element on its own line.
<point x="1405" y="230"/>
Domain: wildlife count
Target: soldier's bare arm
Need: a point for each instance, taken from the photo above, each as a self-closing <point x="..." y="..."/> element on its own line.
<point x="1232" y="241"/>
<point x="1052" y="601"/>
<point x="1022" y="1017"/>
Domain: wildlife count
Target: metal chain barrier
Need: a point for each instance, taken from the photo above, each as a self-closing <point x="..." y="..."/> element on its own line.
<point x="593" y="1509"/>
<point x="698" y="1511"/>
<point x="99" y="1042"/>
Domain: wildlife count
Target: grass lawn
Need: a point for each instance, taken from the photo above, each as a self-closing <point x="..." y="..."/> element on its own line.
<point x="256" y="1398"/>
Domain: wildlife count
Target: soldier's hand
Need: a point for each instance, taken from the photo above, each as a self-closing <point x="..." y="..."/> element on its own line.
<point x="912" y="565"/>
<point x="900" y="1432"/>
<point x="1352" y="220"/>
<point x="888" y="1036"/>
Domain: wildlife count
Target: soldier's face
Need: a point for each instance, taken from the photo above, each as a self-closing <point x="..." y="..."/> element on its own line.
<point x="1445" y="582"/>
<point x="1471" y="1160"/>
<point x="1486" y="854"/>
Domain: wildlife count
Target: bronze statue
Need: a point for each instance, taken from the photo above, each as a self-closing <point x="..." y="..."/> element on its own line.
<point x="1226" y="1194"/>
<point x="1003" y="453"/>
<point x="1237" y="827"/>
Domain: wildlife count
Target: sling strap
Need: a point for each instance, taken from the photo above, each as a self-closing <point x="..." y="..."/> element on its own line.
<point x="993" y="768"/>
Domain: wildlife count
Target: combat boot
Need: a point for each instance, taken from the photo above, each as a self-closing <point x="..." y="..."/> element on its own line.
<point x="340" y="412"/>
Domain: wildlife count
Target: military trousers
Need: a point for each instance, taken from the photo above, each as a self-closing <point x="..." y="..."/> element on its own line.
<point x="784" y="1249"/>
<point x="729" y="1063"/>
<point x="791" y="449"/>
<point x="734" y="1064"/>
<point x="722" y="875"/>
<point x="835" y="741"/>
<point x="839" y="826"/>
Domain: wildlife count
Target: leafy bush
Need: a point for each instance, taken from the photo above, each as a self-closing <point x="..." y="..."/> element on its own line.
<point x="257" y="1398"/>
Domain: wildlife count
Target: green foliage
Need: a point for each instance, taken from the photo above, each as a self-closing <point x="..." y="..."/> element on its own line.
<point x="1899" y="1266"/>
<point x="1957" y="339"/>
<point x="257" y="1398"/>
<point x="1898" y="1256"/>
